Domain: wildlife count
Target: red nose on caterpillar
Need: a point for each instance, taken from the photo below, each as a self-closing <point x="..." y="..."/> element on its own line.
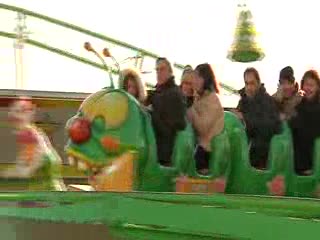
<point x="110" y="143"/>
<point x="80" y="131"/>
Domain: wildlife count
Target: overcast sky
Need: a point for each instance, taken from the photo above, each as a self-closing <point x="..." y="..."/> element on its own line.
<point x="188" y="32"/>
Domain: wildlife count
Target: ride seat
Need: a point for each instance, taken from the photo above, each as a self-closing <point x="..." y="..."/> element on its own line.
<point x="245" y="179"/>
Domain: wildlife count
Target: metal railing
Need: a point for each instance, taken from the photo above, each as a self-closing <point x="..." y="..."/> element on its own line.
<point x="142" y="52"/>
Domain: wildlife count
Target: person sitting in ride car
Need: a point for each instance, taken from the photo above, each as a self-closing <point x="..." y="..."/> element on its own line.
<point x="287" y="96"/>
<point x="186" y="85"/>
<point x="305" y="124"/>
<point x="206" y="114"/>
<point x="260" y="114"/>
<point x="130" y="81"/>
<point x="168" y="112"/>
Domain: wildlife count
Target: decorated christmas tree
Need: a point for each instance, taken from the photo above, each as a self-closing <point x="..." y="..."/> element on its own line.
<point x="245" y="47"/>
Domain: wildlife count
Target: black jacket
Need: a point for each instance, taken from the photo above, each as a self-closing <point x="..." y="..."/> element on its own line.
<point x="305" y="126"/>
<point x="262" y="121"/>
<point x="188" y="101"/>
<point x="260" y="113"/>
<point x="169" y="109"/>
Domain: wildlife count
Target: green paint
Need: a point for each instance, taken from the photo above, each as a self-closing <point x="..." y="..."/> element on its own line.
<point x="136" y="134"/>
<point x="229" y="159"/>
<point x="156" y="216"/>
<point x="146" y="215"/>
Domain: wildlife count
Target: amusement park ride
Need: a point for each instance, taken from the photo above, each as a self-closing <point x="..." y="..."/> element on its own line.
<point x="111" y="139"/>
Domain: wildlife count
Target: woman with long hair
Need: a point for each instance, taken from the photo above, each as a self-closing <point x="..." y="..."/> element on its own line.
<point x="206" y="114"/>
<point x="131" y="82"/>
<point x="305" y="123"/>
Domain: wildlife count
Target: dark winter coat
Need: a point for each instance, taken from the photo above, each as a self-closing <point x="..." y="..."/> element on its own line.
<point x="168" y="117"/>
<point x="262" y="121"/>
<point x="305" y="126"/>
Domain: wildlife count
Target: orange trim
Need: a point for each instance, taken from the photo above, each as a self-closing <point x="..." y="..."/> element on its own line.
<point x="119" y="176"/>
<point x="191" y="185"/>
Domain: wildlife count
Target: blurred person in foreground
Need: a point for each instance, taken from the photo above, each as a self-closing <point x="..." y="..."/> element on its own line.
<point x="37" y="160"/>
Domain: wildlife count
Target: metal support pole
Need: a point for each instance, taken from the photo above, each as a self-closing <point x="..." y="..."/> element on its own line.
<point x="22" y="34"/>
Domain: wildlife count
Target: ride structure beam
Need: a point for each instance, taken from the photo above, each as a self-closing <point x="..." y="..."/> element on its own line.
<point x="58" y="51"/>
<point x="143" y="52"/>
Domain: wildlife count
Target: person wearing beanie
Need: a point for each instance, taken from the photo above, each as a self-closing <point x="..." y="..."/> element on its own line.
<point x="287" y="96"/>
<point x="206" y="115"/>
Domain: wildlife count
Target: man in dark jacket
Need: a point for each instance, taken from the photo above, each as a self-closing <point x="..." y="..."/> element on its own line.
<point x="168" y="111"/>
<point x="260" y="114"/>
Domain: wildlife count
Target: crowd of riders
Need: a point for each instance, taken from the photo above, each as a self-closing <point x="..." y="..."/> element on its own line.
<point x="196" y="100"/>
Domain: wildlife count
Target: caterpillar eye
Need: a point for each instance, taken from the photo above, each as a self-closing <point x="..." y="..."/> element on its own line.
<point x="113" y="107"/>
<point x="87" y="107"/>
